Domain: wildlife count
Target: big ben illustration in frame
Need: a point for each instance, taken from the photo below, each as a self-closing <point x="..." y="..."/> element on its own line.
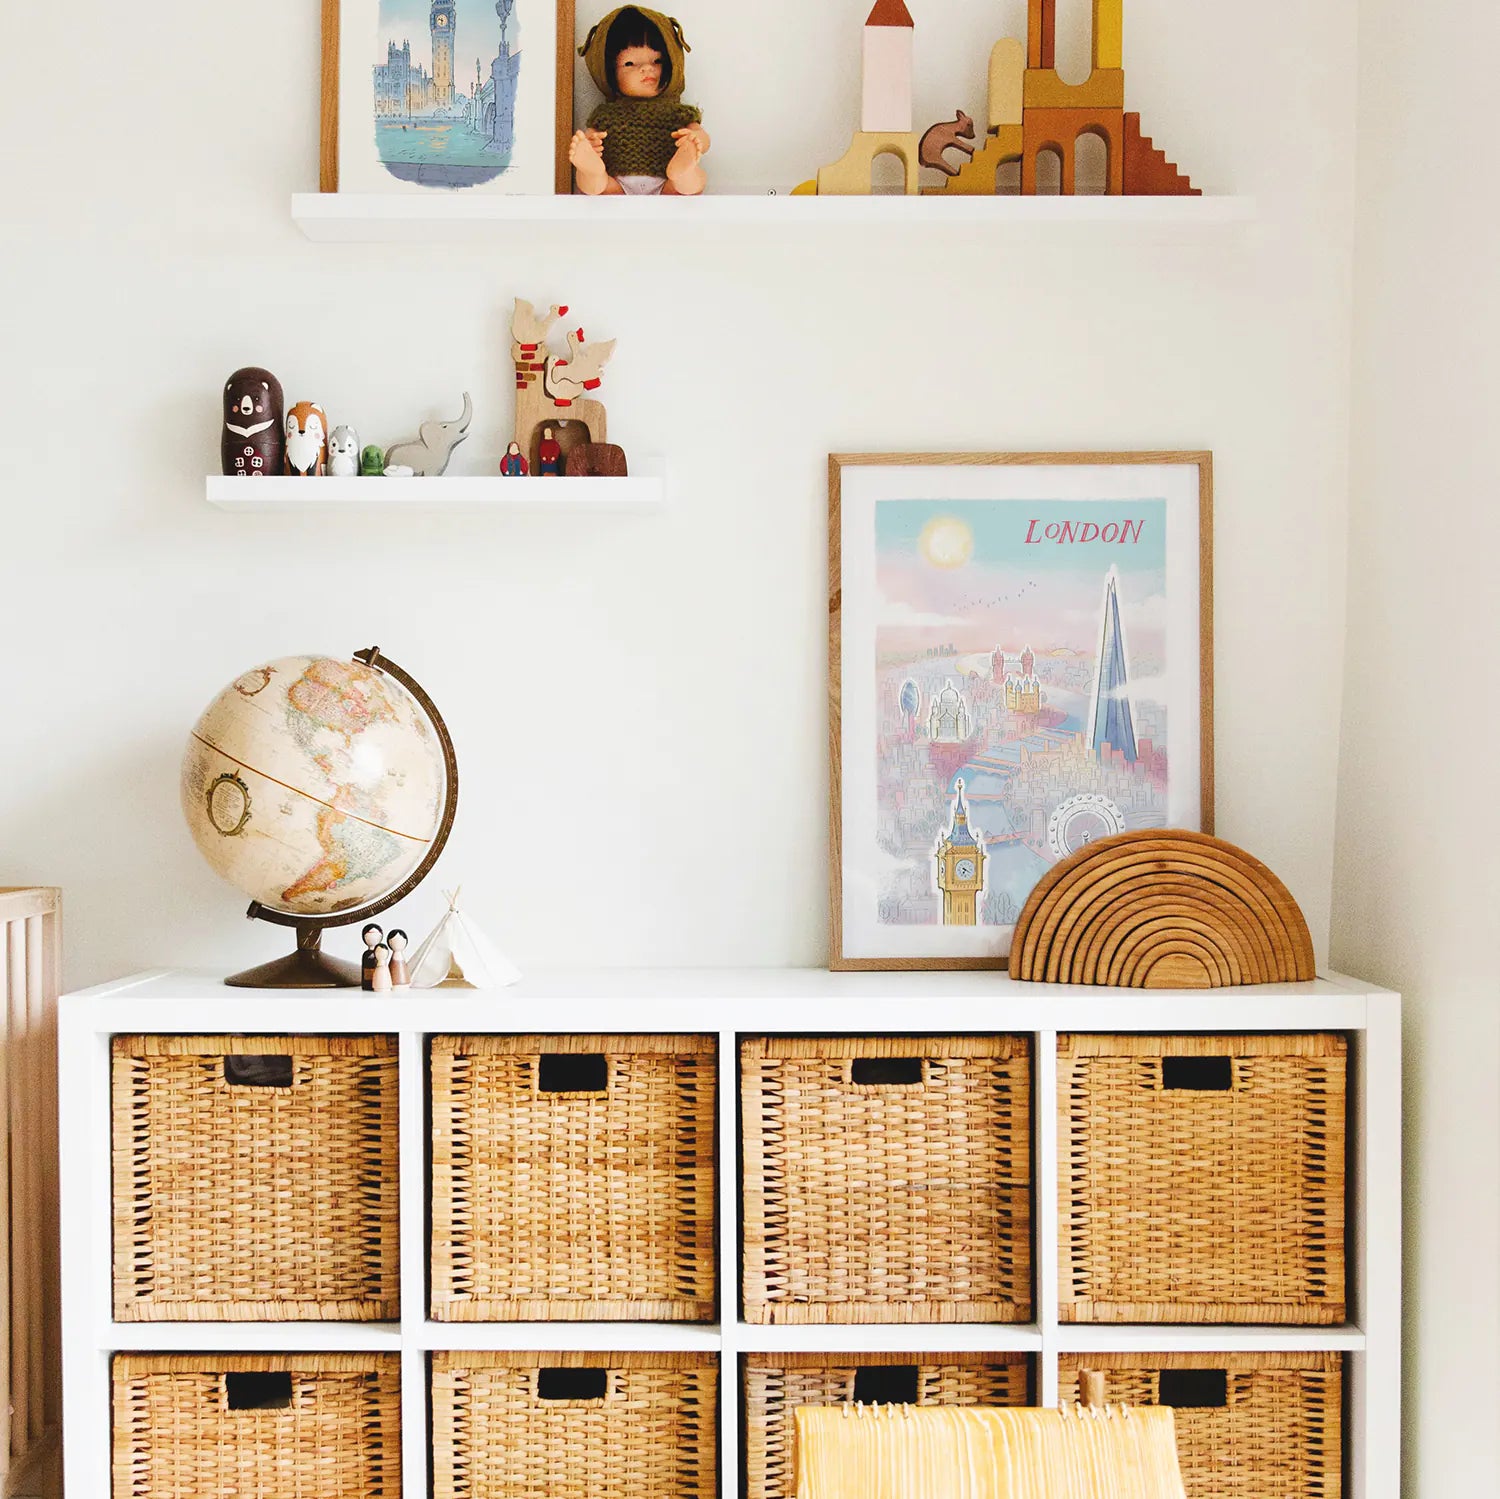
<point x="960" y="866"/>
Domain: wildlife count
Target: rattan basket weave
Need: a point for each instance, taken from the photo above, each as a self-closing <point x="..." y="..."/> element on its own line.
<point x="1202" y="1178"/>
<point x="178" y="1433"/>
<point x="573" y="1178"/>
<point x="267" y="1201"/>
<point x="887" y="1179"/>
<point x="1272" y="1426"/>
<point x="774" y="1385"/>
<point x="574" y="1425"/>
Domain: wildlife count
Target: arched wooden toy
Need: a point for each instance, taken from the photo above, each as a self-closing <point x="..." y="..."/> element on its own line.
<point x="1161" y="910"/>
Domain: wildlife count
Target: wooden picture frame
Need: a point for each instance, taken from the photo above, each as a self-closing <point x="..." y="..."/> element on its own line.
<point x="328" y="144"/>
<point x="882" y="916"/>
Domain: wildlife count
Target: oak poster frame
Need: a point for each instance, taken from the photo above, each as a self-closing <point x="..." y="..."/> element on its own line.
<point x="1078" y="478"/>
<point x="328" y="144"/>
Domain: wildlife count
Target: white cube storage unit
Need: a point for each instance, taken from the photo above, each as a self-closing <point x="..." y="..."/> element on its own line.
<point x="730" y="1007"/>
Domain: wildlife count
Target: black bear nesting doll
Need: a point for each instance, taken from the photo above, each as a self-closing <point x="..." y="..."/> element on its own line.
<point x="254" y="437"/>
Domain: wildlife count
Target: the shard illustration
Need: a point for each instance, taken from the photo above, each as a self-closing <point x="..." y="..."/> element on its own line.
<point x="1111" y="722"/>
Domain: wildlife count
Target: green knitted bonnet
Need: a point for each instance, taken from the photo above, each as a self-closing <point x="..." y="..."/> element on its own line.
<point x="595" y="47"/>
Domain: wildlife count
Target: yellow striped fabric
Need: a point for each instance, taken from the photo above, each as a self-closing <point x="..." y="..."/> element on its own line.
<point x="949" y="1452"/>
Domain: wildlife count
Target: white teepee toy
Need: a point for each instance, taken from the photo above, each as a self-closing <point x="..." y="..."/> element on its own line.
<point x="457" y="955"/>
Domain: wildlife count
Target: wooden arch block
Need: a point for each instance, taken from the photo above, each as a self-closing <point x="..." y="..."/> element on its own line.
<point x="1162" y="910"/>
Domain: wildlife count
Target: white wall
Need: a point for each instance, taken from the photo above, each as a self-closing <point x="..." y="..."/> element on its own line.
<point x="648" y="687"/>
<point x="1417" y="877"/>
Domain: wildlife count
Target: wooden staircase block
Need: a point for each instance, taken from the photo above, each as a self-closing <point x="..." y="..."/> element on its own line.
<point x="1148" y="173"/>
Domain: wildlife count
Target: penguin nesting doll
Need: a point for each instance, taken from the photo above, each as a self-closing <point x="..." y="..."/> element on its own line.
<point x="306" y="440"/>
<point x="252" y="445"/>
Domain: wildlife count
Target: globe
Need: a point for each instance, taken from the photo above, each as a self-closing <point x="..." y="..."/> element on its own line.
<point x="316" y="786"/>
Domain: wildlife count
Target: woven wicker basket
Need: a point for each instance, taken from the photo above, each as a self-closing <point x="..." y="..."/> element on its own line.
<point x="574" y="1425"/>
<point x="887" y="1179"/>
<point x="255" y="1178"/>
<point x="1249" y="1425"/>
<point x="201" y="1426"/>
<point x="776" y="1384"/>
<point x="1203" y="1178"/>
<point x="573" y="1178"/>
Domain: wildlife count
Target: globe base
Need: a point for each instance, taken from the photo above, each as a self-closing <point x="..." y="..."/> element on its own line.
<point x="307" y="968"/>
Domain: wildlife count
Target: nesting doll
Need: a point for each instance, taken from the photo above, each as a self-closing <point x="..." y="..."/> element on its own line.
<point x="343" y="453"/>
<point x="306" y="440"/>
<point x="372" y="462"/>
<point x="252" y="444"/>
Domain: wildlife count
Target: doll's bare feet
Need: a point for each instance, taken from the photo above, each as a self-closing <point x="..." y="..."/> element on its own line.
<point x="685" y="174"/>
<point x="586" y="152"/>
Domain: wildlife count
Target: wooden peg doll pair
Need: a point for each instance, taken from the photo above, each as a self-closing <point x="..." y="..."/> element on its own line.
<point x="383" y="966"/>
<point x="643" y="139"/>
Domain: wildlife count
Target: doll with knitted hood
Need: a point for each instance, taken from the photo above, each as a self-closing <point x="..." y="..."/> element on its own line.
<point x="643" y="138"/>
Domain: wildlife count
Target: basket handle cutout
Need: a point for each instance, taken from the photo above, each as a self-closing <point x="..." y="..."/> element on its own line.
<point x="572" y="1384"/>
<point x="572" y="1072"/>
<point x="258" y="1072"/>
<point x="1193" y="1389"/>
<point x="887" y="1384"/>
<point x="1197" y="1074"/>
<point x="885" y="1072"/>
<point x="258" y="1392"/>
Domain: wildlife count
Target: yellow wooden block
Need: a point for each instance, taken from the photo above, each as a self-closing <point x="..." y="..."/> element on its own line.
<point x="976" y="177"/>
<point x="1104" y="88"/>
<point x="850" y="175"/>
<point x="808" y="189"/>
<point x="1007" y="69"/>
<point x="1109" y="34"/>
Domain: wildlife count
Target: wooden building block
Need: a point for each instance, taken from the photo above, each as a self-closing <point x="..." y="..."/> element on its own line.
<point x="1147" y="172"/>
<point x="1161" y="909"/>
<point x="1104" y="88"/>
<point x="1059" y="129"/>
<point x="1041" y="33"/>
<point x="1007" y="88"/>
<point x="1109" y="34"/>
<point x="850" y="175"/>
<point x="976" y="178"/>
<point x="886" y="103"/>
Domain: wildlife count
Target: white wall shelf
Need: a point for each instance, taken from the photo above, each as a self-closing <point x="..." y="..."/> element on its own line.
<point x="730" y="1003"/>
<point x="352" y="218"/>
<point x="646" y="486"/>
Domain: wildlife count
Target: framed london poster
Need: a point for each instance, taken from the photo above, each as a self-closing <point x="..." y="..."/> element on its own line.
<point x="446" y="96"/>
<point x="1020" y="662"/>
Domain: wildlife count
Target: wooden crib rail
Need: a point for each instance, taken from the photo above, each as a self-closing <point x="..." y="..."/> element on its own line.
<point x="30" y="1360"/>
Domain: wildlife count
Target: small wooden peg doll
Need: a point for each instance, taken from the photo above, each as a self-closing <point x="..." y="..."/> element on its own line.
<point x="306" y="440"/>
<point x="643" y="139"/>
<point x="380" y="975"/>
<point x="514" y="464"/>
<point x="372" y="936"/>
<point x="396" y="941"/>
<point x="550" y="453"/>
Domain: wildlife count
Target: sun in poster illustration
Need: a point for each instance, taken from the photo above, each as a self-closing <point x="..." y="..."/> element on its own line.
<point x="445" y="84"/>
<point x="1021" y="695"/>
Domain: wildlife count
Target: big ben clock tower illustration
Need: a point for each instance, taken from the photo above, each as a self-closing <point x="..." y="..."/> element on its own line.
<point x="960" y="861"/>
<point x="444" y="15"/>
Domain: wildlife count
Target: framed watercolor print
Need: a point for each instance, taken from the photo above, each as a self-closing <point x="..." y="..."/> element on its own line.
<point x="447" y="96"/>
<point x="1020" y="662"/>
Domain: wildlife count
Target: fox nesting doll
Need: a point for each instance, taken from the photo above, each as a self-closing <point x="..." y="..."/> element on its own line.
<point x="306" y="440"/>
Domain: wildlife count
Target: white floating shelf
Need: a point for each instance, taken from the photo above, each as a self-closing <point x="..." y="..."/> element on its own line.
<point x="372" y="217"/>
<point x="646" y="486"/>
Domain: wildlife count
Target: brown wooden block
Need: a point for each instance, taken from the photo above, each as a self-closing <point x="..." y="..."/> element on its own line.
<point x="1059" y="129"/>
<point x="597" y="460"/>
<point x="1147" y="172"/>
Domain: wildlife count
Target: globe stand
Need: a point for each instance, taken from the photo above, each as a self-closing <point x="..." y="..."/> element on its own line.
<point x="307" y="968"/>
